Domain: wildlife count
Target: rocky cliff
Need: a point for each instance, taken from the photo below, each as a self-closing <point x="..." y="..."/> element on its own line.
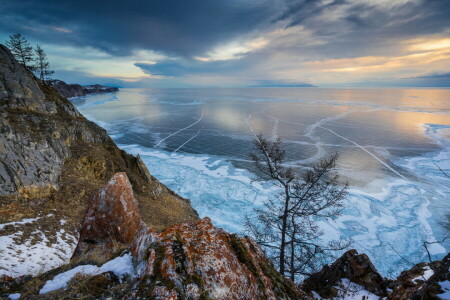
<point x="52" y="162"/>
<point x="76" y="90"/>
<point x="119" y="257"/>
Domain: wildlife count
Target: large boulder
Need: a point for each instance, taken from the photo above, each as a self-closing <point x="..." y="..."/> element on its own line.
<point x="112" y="220"/>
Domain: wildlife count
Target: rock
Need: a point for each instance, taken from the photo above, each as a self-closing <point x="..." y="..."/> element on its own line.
<point x="52" y="163"/>
<point x="185" y="261"/>
<point x="423" y="281"/>
<point x="353" y="266"/>
<point x="76" y="90"/>
<point x="112" y="220"/>
<point x="200" y="259"/>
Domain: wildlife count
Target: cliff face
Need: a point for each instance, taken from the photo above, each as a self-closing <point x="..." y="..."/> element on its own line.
<point x="52" y="162"/>
<point x="76" y="90"/>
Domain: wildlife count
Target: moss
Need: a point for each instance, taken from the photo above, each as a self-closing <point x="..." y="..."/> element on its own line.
<point x="283" y="287"/>
<point x="242" y="253"/>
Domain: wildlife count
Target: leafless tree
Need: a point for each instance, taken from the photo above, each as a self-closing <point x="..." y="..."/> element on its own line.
<point x="21" y="49"/>
<point x="286" y="225"/>
<point x="42" y="67"/>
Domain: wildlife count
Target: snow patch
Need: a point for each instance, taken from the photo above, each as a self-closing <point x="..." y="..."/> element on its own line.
<point x="120" y="266"/>
<point x="445" y="286"/>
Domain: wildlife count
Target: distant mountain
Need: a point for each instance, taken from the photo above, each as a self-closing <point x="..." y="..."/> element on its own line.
<point x="76" y="90"/>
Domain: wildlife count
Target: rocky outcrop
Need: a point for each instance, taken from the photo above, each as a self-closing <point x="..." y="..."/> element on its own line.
<point x="53" y="161"/>
<point x="356" y="268"/>
<point x="76" y="90"/>
<point x="194" y="259"/>
<point x="354" y="276"/>
<point x="186" y="261"/>
<point x="423" y="281"/>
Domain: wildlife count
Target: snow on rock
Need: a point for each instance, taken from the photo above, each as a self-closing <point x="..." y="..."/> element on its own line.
<point x="348" y="290"/>
<point x="14" y="296"/>
<point x="120" y="266"/>
<point x="427" y="273"/>
<point x="350" y="267"/>
<point x="445" y="286"/>
<point x="112" y="219"/>
<point x="421" y="281"/>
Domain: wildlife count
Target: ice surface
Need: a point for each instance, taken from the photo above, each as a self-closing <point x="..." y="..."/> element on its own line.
<point x="120" y="266"/>
<point x="390" y="144"/>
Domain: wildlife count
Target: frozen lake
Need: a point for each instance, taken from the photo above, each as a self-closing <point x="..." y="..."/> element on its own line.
<point x="390" y="142"/>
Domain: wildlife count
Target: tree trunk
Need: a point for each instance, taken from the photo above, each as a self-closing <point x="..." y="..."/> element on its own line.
<point x="283" y="229"/>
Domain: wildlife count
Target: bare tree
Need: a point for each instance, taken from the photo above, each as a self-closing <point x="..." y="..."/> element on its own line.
<point x="42" y="67"/>
<point x="286" y="225"/>
<point x="21" y="49"/>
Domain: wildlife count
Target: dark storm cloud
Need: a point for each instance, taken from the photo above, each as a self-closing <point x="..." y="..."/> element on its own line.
<point x="182" y="28"/>
<point x="190" y="28"/>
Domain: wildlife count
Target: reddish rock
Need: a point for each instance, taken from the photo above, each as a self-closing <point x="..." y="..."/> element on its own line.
<point x="111" y="221"/>
<point x="186" y="261"/>
<point x="199" y="259"/>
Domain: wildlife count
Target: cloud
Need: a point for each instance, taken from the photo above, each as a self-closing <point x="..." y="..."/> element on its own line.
<point x="433" y="76"/>
<point x="182" y="28"/>
<point x="243" y="42"/>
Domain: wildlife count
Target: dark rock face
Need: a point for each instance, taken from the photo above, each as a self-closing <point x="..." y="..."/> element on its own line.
<point x="423" y="281"/>
<point x="76" y="90"/>
<point x="353" y="266"/>
<point x="53" y="161"/>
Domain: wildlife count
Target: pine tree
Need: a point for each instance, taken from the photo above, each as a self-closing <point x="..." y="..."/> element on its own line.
<point x="42" y="65"/>
<point x="21" y="49"/>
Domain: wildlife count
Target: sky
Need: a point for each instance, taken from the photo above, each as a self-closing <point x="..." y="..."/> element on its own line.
<point x="229" y="43"/>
